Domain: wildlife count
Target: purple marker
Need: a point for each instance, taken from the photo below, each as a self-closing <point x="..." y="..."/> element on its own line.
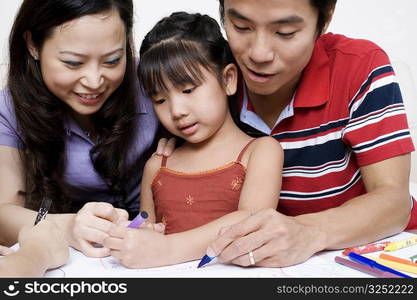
<point x="138" y="220"/>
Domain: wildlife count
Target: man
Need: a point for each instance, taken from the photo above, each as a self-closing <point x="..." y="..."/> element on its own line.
<point x="335" y="106"/>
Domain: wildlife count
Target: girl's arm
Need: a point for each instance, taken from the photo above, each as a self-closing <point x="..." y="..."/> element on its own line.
<point x="145" y="248"/>
<point x="146" y="198"/>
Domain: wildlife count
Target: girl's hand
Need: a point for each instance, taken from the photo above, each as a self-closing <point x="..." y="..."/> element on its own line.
<point x="166" y="146"/>
<point x="158" y="227"/>
<point x="138" y="248"/>
<point x="91" y="225"/>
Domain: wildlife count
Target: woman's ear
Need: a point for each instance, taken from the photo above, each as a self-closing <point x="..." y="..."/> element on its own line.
<point x="230" y="79"/>
<point x="29" y="44"/>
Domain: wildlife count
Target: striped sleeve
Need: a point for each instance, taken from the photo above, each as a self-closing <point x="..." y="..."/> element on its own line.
<point x="377" y="127"/>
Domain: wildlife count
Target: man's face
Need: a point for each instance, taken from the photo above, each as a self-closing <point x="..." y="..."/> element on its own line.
<point x="272" y="41"/>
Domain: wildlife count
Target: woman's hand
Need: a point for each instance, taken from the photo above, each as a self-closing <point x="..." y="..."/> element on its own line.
<point x="49" y="240"/>
<point x="166" y="146"/>
<point x="91" y="225"/>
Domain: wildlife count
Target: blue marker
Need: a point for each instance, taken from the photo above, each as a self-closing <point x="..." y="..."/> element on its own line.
<point x="138" y="220"/>
<point x="205" y="260"/>
<point x="369" y="262"/>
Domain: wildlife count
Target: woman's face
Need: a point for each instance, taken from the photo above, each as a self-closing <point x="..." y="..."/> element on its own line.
<point x="84" y="61"/>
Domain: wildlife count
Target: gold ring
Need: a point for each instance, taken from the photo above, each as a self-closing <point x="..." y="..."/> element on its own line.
<point x="251" y="258"/>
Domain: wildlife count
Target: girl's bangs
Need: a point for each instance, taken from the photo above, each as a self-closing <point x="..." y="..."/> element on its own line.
<point x="174" y="61"/>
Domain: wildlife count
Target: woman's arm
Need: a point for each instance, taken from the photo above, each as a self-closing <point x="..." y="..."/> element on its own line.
<point x="41" y="247"/>
<point x="90" y="224"/>
<point x="145" y="248"/>
<point x="12" y="214"/>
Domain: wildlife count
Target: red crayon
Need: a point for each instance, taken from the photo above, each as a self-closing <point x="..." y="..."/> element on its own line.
<point x="367" y="248"/>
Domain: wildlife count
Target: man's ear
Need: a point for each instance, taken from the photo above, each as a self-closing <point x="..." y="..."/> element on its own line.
<point x="230" y="79"/>
<point x="29" y="44"/>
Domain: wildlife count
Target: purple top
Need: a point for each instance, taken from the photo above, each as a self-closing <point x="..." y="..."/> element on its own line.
<point x="79" y="172"/>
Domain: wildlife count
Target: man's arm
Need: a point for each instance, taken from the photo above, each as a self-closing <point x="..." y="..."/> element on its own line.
<point x="383" y="211"/>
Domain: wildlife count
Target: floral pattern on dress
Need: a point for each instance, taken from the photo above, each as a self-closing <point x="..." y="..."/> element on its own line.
<point x="189" y="200"/>
<point x="236" y="183"/>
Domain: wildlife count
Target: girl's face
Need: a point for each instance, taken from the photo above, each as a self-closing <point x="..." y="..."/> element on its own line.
<point x="196" y="113"/>
<point x="84" y="61"/>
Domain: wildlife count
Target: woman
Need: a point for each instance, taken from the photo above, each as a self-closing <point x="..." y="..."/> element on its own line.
<point x="72" y="126"/>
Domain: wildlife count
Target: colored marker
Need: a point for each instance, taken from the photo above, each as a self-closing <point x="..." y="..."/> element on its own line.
<point x="205" y="260"/>
<point x="367" y="248"/>
<point x="369" y="262"/>
<point x="43" y="210"/>
<point x="414" y="258"/>
<point x="138" y="220"/>
<point x="401" y="244"/>
<point x="364" y="268"/>
<point x="397" y="259"/>
<point x="395" y="265"/>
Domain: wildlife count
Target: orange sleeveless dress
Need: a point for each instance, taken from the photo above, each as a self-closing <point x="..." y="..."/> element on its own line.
<point x="184" y="201"/>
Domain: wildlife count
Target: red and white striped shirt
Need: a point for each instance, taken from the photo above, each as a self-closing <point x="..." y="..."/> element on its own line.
<point x="347" y="112"/>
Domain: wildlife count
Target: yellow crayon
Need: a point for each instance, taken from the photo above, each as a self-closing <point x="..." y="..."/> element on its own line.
<point x="395" y="265"/>
<point x="401" y="244"/>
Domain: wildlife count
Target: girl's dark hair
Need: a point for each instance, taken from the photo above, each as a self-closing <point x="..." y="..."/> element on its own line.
<point x="324" y="8"/>
<point x="40" y="114"/>
<point x="175" y="49"/>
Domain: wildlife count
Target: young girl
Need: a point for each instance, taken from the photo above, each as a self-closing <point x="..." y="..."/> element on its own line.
<point x="219" y="175"/>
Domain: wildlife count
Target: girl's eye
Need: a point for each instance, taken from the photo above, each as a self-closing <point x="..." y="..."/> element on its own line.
<point x="159" y="101"/>
<point x="113" y="61"/>
<point x="72" y="63"/>
<point x="188" y="91"/>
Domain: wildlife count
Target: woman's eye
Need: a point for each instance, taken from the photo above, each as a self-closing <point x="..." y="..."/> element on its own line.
<point x="72" y="63"/>
<point x="113" y="61"/>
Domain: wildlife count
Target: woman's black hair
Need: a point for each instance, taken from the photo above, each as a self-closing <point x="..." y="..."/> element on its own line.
<point x="324" y="8"/>
<point x="177" y="47"/>
<point x="40" y="114"/>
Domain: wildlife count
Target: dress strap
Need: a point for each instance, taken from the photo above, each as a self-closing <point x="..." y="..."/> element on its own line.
<point x="164" y="161"/>
<point x="239" y="158"/>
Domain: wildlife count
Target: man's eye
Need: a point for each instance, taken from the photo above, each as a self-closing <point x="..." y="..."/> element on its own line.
<point x="241" y="28"/>
<point x="286" y="34"/>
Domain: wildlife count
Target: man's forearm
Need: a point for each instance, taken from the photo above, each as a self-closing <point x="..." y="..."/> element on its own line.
<point x="361" y="220"/>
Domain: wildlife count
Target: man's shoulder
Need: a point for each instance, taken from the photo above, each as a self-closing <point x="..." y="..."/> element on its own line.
<point x="338" y="44"/>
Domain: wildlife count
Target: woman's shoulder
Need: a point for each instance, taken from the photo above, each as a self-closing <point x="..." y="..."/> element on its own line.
<point x="6" y="104"/>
